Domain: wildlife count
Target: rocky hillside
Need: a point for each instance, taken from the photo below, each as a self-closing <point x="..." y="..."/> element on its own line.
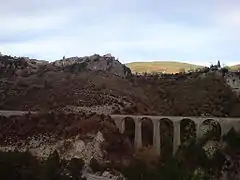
<point x="18" y="66"/>
<point x="21" y="66"/>
<point x="81" y="135"/>
<point x="102" y="84"/>
<point x="81" y="86"/>
<point x="89" y="81"/>
<point x="192" y="94"/>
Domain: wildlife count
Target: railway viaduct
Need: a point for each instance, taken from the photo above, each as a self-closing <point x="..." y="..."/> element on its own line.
<point x="225" y="125"/>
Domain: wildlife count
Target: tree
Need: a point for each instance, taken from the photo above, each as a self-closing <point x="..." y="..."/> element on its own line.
<point x="51" y="167"/>
<point x="75" y="167"/>
<point x="225" y="70"/>
<point x="218" y="64"/>
<point x="94" y="165"/>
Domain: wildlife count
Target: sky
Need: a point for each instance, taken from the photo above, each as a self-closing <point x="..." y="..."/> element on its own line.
<point x="193" y="31"/>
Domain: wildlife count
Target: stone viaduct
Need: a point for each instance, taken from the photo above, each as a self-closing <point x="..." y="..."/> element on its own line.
<point x="225" y="125"/>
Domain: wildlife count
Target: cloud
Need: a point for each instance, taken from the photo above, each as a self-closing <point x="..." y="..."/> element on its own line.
<point x="131" y="30"/>
<point x="127" y="35"/>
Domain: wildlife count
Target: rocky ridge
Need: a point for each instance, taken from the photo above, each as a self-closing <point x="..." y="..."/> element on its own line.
<point x="106" y="63"/>
<point x="23" y="66"/>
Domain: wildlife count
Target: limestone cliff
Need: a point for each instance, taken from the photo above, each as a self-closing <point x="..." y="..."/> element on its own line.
<point x="106" y="63"/>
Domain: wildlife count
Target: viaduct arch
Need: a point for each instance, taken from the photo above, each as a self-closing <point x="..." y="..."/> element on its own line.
<point x="224" y="125"/>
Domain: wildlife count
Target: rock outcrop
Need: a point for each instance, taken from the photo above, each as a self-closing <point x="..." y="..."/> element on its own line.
<point x="106" y="63"/>
<point x="233" y="80"/>
<point x="23" y="66"/>
<point x="43" y="146"/>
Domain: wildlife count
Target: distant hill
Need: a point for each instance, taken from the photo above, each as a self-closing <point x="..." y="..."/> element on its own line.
<point x="166" y="66"/>
<point x="235" y="67"/>
<point x="163" y="66"/>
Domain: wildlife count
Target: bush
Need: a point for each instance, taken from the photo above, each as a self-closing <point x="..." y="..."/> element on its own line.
<point x="24" y="166"/>
<point x="75" y="167"/>
<point x="15" y="165"/>
<point x="51" y="167"/>
<point x="94" y="165"/>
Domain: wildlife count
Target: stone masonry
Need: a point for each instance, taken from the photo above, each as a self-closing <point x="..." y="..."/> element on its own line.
<point x="225" y="125"/>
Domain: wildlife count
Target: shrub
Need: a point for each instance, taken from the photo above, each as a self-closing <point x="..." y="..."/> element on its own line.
<point x="75" y="167"/>
<point x="51" y="167"/>
<point x="24" y="166"/>
<point x="94" y="165"/>
<point x="15" y="165"/>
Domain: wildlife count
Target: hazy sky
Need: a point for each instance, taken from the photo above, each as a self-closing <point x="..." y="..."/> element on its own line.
<point x="195" y="31"/>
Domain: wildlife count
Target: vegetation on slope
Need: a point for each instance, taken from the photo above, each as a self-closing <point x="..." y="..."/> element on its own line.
<point x="23" y="166"/>
<point x="63" y="126"/>
<point x="183" y="94"/>
<point x="191" y="162"/>
<point x="53" y="90"/>
<point x="192" y="94"/>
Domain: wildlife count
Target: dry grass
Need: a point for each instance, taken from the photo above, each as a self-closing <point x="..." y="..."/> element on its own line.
<point x="236" y="67"/>
<point x="163" y="66"/>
